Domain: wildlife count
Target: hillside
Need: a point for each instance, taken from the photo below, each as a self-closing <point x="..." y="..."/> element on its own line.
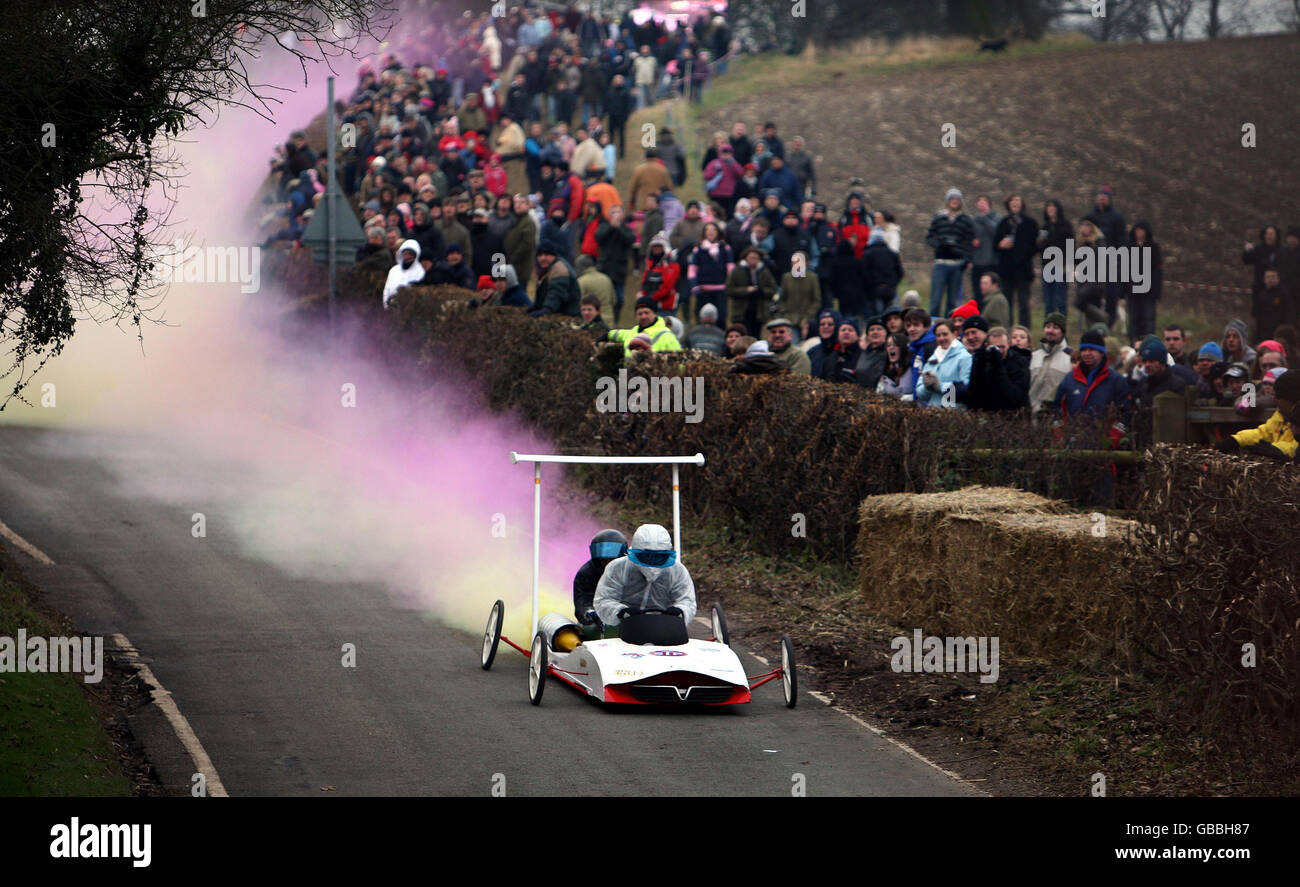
<point x="1161" y="124"/>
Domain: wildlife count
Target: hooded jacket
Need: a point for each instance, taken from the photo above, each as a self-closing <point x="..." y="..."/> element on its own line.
<point x="659" y="279"/>
<point x="625" y="584"/>
<point x="1249" y="353"/>
<point x="856" y="223"/>
<point x="398" y="276"/>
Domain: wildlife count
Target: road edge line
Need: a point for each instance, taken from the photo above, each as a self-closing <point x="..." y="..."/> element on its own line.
<point x="184" y="732"/>
<point x="24" y="546"/>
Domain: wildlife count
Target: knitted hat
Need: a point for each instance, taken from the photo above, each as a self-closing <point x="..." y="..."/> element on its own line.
<point x="950" y="194"/>
<point x="1271" y="345"/>
<point x="1057" y="318"/>
<point x="849" y="321"/>
<point x="970" y="309"/>
<point x="1154" y="350"/>
<point x="646" y="302"/>
<point x="1210" y="351"/>
<point x="641" y="342"/>
<point x="485" y="282"/>
<point x="759" y="347"/>
<point x="975" y="322"/>
<point x="1094" y="340"/>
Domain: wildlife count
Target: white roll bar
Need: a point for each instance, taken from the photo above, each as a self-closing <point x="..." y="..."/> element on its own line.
<point x="537" y="460"/>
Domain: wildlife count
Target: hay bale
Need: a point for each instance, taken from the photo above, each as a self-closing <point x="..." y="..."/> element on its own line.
<point x="986" y="561"/>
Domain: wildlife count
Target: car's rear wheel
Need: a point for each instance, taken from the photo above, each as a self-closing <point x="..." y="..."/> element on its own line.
<point x="719" y="621"/>
<point x="492" y="634"/>
<point x="789" y="672"/>
<point x="537" y="661"/>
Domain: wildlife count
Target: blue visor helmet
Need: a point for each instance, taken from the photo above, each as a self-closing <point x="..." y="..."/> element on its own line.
<point x="652" y="557"/>
<point x="608" y="544"/>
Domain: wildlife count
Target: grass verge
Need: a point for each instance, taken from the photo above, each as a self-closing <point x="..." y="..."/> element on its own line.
<point x="52" y="740"/>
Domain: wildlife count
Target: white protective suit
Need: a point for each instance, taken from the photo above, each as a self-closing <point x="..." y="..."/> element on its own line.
<point x="398" y="276"/>
<point x="625" y="584"/>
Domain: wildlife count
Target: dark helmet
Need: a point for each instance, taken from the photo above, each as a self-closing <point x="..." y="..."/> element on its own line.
<point x="608" y="544"/>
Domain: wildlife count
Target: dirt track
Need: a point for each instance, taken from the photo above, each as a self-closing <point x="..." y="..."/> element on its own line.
<point x="1161" y="124"/>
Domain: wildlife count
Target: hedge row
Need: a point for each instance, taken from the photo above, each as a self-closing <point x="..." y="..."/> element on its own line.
<point x="777" y="447"/>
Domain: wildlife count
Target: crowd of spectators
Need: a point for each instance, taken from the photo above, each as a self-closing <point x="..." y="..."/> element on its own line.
<point x="470" y="169"/>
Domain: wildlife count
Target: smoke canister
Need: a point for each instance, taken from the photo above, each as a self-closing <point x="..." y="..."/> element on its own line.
<point x="561" y="632"/>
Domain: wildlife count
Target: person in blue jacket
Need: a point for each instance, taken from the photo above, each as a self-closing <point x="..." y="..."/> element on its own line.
<point x="1092" y="388"/>
<point x="946" y="371"/>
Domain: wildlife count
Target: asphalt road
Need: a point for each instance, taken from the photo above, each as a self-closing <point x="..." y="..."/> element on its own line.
<point x="252" y="657"/>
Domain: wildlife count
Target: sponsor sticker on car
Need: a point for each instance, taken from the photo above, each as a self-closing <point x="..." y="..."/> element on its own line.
<point x="667" y="653"/>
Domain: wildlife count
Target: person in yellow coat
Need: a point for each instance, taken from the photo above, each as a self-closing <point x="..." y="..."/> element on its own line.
<point x="648" y="324"/>
<point x="1277" y="436"/>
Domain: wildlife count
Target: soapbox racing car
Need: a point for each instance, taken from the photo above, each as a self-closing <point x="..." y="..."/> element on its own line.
<point x="652" y="661"/>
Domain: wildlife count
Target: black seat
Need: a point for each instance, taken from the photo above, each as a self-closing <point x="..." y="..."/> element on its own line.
<point x="659" y="629"/>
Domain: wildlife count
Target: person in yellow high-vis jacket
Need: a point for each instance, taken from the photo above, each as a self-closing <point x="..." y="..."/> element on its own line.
<point x="650" y="324"/>
<point x="1277" y="436"/>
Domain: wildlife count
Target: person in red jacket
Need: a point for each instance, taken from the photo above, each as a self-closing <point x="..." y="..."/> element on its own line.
<point x="659" y="282"/>
<point x="855" y="224"/>
<point x="592" y="216"/>
<point x="574" y="190"/>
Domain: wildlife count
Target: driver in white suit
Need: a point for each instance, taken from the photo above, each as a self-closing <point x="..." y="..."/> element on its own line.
<point x="648" y="577"/>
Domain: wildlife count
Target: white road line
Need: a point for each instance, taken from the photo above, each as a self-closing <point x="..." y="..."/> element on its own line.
<point x="163" y="699"/>
<point x="26" y="547"/>
<point x="826" y="700"/>
<point x="885" y="736"/>
<point x="160" y="696"/>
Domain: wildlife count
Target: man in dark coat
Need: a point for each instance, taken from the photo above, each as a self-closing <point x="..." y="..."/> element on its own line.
<point x="882" y="271"/>
<point x="1110" y="222"/>
<point x="619" y="105"/>
<point x="999" y="378"/>
<point x="557" y="284"/>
